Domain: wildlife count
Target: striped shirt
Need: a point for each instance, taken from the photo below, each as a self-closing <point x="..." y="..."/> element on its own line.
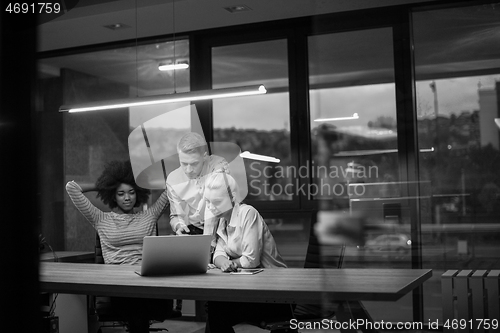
<point x="121" y="234"/>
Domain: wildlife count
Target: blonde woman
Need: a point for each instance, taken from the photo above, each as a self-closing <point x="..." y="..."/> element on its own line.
<point x="243" y="241"/>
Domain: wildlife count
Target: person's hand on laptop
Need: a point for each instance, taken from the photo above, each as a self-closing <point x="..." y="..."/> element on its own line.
<point x="181" y="229"/>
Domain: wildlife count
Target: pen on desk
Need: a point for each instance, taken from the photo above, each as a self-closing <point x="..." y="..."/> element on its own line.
<point x="234" y="266"/>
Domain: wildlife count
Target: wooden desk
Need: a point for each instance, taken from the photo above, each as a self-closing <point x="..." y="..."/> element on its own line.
<point x="68" y="256"/>
<point x="290" y="285"/>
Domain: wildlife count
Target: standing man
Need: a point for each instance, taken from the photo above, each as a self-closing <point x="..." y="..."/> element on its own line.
<point x="185" y="185"/>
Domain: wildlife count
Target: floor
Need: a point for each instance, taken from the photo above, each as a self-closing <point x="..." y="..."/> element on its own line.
<point x="179" y="326"/>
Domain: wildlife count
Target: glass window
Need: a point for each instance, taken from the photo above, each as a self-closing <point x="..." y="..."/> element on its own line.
<point x="353" y="117"/>
<point x="354" y="153"/>
<point x="81" y="143"/>
<point x="291" y="233"/>
<point x="457" y="89"/>
<point x="258" y="124"/>
<point x="354" y="163"/>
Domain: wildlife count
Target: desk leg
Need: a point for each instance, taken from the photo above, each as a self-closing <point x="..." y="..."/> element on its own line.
<point x="201" y="311"/>
<point x="72" y="313"/>
<point x="349" y="312"/>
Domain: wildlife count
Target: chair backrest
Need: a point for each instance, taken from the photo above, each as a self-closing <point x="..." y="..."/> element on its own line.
<point x="104" y="310"/>
<point x="313" y="254"/>
<point x="316" y="255"/>
<point x="316" y="258"/>
<point x="98" y="257"/>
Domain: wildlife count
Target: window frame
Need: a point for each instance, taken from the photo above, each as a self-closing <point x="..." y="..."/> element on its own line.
<point x="205" y="110"/>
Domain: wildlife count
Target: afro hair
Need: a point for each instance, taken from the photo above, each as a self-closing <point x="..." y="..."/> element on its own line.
<point x="116" y="173"/>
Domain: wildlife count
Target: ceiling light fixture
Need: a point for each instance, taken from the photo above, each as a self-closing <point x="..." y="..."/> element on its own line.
<point x="351" y="153"/>
<point x="249" y="155"/>
<point x="169" y="98"/>
<point x="171" y="67"/>
<point x="354" y="116"/>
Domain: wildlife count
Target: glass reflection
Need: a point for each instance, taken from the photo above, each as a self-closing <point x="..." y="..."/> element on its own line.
<point x="457" y="101"/>
<point x="354" y="140"/>
<point x="354" y="152"/>
<point x="258" y="124"/>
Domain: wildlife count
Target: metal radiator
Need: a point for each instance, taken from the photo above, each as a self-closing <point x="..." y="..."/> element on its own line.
<point x="471" y="301"/>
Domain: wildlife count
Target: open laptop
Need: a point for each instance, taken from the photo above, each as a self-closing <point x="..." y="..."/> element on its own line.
<point x="174" y="255"/>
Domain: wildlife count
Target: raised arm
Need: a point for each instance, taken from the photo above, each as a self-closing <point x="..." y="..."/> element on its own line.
<point x="160" y="205"/>
<point x="86" y="187"/>
<point x="82" y="203"/>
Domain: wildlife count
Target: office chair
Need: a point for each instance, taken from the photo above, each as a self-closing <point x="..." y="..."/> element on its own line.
<point x="305" y="312"/>
<point x="342" y="311"/>
<point x="105" y="313"/>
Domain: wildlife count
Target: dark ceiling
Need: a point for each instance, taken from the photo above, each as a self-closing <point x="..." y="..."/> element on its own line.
<point x="460" y="29"/>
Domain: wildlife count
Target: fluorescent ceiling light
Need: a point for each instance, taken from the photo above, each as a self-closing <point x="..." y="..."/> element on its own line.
<point x="171" y="67"/>
<point x="351" y="153"/>
<point x="354" y="116"/>
<point x="171" y="98"/>
<point x="249" y="155"/>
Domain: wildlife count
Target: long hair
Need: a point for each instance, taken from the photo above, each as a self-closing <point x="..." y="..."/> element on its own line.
<point x="116" y="173"/>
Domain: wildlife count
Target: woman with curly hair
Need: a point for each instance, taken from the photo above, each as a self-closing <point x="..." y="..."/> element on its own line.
<point x="122" y="230"/>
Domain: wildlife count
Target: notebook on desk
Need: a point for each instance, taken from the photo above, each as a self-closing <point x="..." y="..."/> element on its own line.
<point x="174" y="255"/>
